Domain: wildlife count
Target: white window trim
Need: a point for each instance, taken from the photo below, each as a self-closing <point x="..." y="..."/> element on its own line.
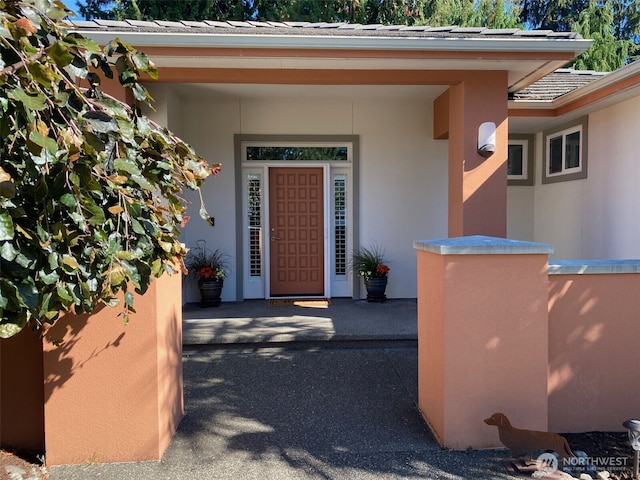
<point x="564" y="134"/>
<point x="566" y="174"/>
<point x="527" y="177"/>
<point x="525" y="171"/>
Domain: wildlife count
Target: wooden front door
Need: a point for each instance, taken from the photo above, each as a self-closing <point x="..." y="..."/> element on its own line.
<point x="296" y="231"/>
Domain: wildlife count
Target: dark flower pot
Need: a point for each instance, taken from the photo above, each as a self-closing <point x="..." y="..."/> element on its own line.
<point x="210" y="291"/>
<point x="375" y="289"/>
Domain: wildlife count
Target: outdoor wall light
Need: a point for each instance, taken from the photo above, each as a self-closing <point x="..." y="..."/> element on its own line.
<point x="487" y="139"/>
<point x="633" y="427"/>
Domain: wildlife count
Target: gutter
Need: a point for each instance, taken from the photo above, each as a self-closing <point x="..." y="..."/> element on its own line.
<point x="212" y="40"/>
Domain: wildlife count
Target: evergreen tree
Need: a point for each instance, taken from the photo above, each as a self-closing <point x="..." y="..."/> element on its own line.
<point x="102" y="9"/>
<point x="468" y="13"/>
<point x="168" y="9"/>
<point x="626" y="25"/>
<point x="606" y="54"/>
<point x="496" y="14"/>
<point x="551" y="14"/>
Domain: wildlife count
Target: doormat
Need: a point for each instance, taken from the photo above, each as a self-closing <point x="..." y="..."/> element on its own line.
<point x="299" y="302"/>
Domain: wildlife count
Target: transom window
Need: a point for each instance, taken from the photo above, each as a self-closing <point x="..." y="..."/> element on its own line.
<point x="293" y="153"/>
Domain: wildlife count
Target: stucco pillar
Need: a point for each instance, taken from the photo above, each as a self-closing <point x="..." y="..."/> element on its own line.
<point x="482" y="336"/>
<point x="113" y="392"/>
<point x="477" y="185"/>
<point x="21" y="392"/>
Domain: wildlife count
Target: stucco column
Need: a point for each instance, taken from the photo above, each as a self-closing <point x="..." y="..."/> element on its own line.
<point x="113" y="392"/>
<point x="477" y="185"/>
<point x="482" y="336"/>
<point x="21" y="392"/>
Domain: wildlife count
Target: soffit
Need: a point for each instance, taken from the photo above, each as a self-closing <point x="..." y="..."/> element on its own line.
<point x="319" y="92"/>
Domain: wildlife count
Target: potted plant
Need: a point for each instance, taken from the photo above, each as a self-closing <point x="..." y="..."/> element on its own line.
<point x="369" y="263"/>
<point x="209" y="269"/>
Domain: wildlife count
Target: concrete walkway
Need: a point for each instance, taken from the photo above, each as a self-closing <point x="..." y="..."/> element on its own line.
<point x="252" y="321"/>
<point x="301" y="393"/>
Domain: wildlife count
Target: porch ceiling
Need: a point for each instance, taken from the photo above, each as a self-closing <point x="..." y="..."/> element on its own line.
<point x="345" y="92"/>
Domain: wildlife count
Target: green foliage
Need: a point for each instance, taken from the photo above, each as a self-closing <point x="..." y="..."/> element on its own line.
<point x="551" y="14"/>
<point x="570" y="15"/>
<point x="168" y="9"/>
<point x="369" y="262"/>
<point x="90" y="189"/>
<point x="491" y="13"/>
<point x="470" y="13"/>
<point x="606" y="54"/>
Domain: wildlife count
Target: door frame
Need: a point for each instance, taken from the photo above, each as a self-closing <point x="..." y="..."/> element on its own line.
<point x="256" y="286"/>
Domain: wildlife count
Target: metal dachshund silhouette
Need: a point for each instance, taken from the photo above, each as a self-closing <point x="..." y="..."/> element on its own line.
<point x="518" y="440"/>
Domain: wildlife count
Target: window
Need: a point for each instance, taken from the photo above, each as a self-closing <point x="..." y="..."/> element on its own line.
<point x="340" y="224"/>
<point x="254" y="201"/>
<point x="565" y="152"/>
<point x="294" y="153"/>
<point x="520" y="160"/>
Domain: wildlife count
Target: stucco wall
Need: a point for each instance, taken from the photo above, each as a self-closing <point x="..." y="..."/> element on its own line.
<point x="520" y="211"/>
<point x="612" y="201"/>
<point x="480" y="322"/>
<point x="113" y="392"/>
<point x="594" y="379"/>
<point x="596" y="217"/>
<point x="22" y="392"/>
<point x="403" y="171"/>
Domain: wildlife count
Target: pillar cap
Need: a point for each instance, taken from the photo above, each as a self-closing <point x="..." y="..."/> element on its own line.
<point x="593" y="267"/>
<point x="481" y="245"/>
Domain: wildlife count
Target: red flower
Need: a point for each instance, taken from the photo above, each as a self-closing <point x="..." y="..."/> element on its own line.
<point x="206" y="273"/>
<point x="382" y="270"/>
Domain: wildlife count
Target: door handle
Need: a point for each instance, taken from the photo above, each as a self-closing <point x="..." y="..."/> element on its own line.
<point x="275" y="238"/>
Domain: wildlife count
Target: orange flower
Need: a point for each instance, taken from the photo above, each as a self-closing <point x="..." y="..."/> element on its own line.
<point x="382" y="270"/>
<point x="206" y="273"/>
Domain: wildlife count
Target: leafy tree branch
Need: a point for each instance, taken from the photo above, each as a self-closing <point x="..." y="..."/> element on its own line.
<point x="90" y="189"/>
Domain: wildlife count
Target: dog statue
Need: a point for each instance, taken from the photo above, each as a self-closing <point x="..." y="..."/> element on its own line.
<point x="518" y="440"/>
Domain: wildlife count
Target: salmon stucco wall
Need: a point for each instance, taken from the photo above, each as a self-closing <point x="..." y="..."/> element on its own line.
<point x="113" y="392"/>
<point x="21" y="392"/>
<point x="594" y="359"/>
<point x="482" y="334"/>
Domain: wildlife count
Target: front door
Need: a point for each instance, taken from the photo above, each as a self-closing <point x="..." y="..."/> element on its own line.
<point x="296" y="231"/>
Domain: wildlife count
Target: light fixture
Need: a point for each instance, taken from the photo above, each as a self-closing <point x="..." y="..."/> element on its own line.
<point x="487" y="139"/>
<point x="633" y="427"/>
